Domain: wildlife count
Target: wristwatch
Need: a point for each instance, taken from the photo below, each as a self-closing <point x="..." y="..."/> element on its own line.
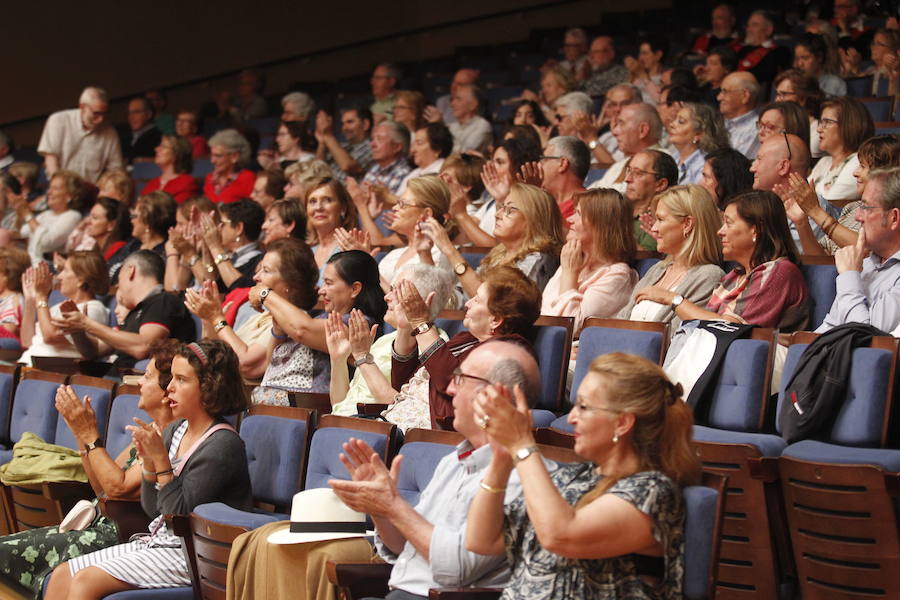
<point x="368" y="359"/>
<point x="523" y="453"/>
<point x="678" y="299"/>
<point x="263" y="295"/>
<point x="593" y="144"/>
<point x="220" y="326"/>
<point x="210" y="268"/>
<point x="220" y="258"/>
<point x="98" y="443"/>
<point x="421" y="328"/>
<point x="460" y="267"/>
<point x="193" y="260"/>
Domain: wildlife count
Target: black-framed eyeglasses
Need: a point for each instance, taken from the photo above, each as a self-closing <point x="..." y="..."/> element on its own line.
<point x="551" y="158"/>
<point x="458" y="376"/>
<point x="788" y="144"/>
<point x="559" y="117"/>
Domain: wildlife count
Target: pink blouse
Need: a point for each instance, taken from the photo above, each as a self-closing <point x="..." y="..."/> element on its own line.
<point x="601" y="293"/>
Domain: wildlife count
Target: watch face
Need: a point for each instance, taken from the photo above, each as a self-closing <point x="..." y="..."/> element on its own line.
<point x="460" y="268"/>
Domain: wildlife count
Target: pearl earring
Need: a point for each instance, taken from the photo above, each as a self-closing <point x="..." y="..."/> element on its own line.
<point x="615" y="438"/>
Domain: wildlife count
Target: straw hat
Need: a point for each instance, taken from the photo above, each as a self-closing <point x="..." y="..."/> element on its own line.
<point x="318" y="515"/>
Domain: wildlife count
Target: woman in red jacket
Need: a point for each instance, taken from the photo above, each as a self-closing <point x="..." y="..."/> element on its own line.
<point x="229" y="151"/>
<point x="173" y="157"/>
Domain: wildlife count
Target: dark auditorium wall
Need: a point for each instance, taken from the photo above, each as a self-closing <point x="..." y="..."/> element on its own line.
<point x="193" y="48"/>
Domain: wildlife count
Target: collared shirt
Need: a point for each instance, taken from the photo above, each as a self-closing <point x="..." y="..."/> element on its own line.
<point x="445" y="504"/>
<point x="88" y="153"/>
<point x="609" y="141"/>
<point x="474" y="134"/>
<point x="869" y="296"/>
<point x="432" y="169"/>
<point x="691" y="170"/>
<point x="390" y="176"/>
<point x="743" y="135"/>
<point x="361" y="152"/>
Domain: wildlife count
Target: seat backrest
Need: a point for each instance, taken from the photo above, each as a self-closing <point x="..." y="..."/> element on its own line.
<point x="121" y="414"/>
<point x="450" y="321"/>
<point x="100" y="391"/>
<point x="276" y="451"/>
<point x="645" y="259"/>
<point x="740" y="397"/>
<point x="324" y="451"/>
<point x="553" y="345"/>
<point x="603" y="336"/>
<point x="422" y="450"/>
<point x="7" y="386"/>
<point x="34" y="406"/>
<point x="864" y="417"/>
<point x="821" y="277"/>
<point x="703" y="512"/>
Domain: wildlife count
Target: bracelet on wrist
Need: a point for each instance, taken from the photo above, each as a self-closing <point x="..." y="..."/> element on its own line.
<point x="491" y="489"/>
<point x="165" y="471"/>
<point x="278" y="337"/>
<point x="42" y="304"/>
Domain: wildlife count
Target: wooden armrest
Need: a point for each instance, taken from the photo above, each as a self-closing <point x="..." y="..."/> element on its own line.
<point x="370" y="409"/>
<point x="892" y="484"/>
<point x="10" y="355"/>
<point x="63" y="490"/>
<point x="359" y="579"/>
<point x="128" y="515"/>
<point x="179" y="525"/>
<point x="763" y="468"/>
<point x="464" y="593"/>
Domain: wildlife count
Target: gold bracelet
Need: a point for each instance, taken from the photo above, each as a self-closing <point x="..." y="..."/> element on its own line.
<point x="492" y="490"/>
<point x="41" y="304"/>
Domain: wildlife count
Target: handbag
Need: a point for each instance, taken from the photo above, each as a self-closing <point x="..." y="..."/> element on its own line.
<point x="80" y="517"/>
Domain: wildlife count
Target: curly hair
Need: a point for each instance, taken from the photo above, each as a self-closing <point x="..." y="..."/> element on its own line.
<point x="222" y="389"/>
<point x="162" y="352"/>
<point x="512" y="298"/>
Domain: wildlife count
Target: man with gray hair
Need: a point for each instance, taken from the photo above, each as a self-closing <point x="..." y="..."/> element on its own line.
<point x="390" y="145"/>
<point x="153" y="314"/>
<point x="564" y="165"/>
<point x="572" y="110"/>
<point x="604" y="71"/>
<point x="297" y="106"/>
<point x="471" y="131"/>
<point x="868" y="281"/>
<point x="426" y="542"/>
<point x="604" y="147"/>
<point x="384" y="82"/>
<point x="636" y="128"/>
<point x="81" y="139"/>
<point x="738" y="98"/>
<point x="575" y="47"/>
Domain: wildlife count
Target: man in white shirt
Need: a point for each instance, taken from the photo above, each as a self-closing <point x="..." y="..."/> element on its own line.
<point x="637" y="127"/>
<point x="81" y="139"/>
<point x="471" y="131"/>
<point x="430" y="146"/>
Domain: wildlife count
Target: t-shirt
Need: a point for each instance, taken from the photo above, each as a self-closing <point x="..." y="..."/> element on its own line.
<point x="94" y="310"/>
<point x="158" y="308"/>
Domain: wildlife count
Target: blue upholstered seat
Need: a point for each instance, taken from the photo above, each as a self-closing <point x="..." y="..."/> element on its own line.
<point x="821" y="282"/>
<point x="324" y="463"/>
<point x="121" y="415"/>
<point x="737" y="399"/>
<point x="542" y="418"/>
<point x="100" y="399"/>
<point x="419" y="462"/>
<point x="700" y="506"/>
<point x="275" y="448"/>
<point x="6" y="398"/>
<point x="552" y="347"/>
<point x="34" y="411"/>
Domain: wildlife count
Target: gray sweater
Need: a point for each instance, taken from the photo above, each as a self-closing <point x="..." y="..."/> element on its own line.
<point x="215" y="472"/>
<point x="696" y="286"/>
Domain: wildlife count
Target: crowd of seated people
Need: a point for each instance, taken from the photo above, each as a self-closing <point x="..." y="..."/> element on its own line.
<point x="318" y="261"/>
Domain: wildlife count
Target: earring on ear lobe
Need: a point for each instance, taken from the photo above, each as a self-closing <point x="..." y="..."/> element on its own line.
<point x="754" y="239"/>
<point x="615" y="438"/>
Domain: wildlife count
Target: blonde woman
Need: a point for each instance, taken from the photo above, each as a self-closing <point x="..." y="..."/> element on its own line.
<point x="687" y="220"/>
<point x="529" y="229"/>
<point x="301" y="175"/>
<point x="594" y="279"/>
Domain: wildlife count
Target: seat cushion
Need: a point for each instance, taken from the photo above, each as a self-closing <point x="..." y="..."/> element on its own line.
<point x="419" y="462"/>
<point x="222" y="513"/>
<point x="275" y="448"/>
<point x="737" y="400"/>
<point x="813" y="451"/>
<point x="179" y="593"/>
<point x="562" y="424"/>
<point x="767" y="444"/>
<point x="325" y="450"/>
<point x="542" y="418"/>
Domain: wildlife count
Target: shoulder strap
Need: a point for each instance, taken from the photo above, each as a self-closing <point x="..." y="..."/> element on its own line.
<point x="180" y="467"/>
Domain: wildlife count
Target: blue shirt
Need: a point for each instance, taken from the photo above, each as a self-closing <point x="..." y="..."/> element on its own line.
<point x="743" y="135"/>
<point x="691" y="170"/>
<point x="870" y="296"/>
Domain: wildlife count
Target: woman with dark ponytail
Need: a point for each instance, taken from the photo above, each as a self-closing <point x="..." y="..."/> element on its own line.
<point x="612" y="527"/>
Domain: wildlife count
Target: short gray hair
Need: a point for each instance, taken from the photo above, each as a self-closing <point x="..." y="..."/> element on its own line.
<point x="573" y="150"/>
<point x="301" y="102"/>
<point x="233" y="142"/>
<point x="576" y="101"/>
<point x="93" y="94"/>
<point x="577" y="32"/>
<point x="399" y="133"/>
<point x="890" y="186"/>
<point x="647" y="113"/>
<point x="634" y="90"/>
<point x="510" y="373"/>
<point x="428" y="279"/>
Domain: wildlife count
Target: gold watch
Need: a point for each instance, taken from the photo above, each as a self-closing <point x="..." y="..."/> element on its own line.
<point x="460" y="268"/>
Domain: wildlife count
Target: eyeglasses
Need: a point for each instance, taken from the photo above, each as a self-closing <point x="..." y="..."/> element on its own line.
<point x="868" y="207"/>
<point x="634" y="172"/>
<point x="780" y="94"/>
<point x="582" y="407"/>
<point x="551" y="158"/>
<point x="507" y="210"/>
<point x="788" y="144"/>
<point x="401" y="204"/>
<point x="559" y="117"/>
<point x="826" y="122"/>
<point x="768" y="128"/>
<point x="458" y="376"/>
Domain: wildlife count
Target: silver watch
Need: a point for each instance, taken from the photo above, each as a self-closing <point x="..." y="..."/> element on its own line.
<point x="368" y="359"/>
<point x="677" y="300"/>
<point x="523" y="453"/>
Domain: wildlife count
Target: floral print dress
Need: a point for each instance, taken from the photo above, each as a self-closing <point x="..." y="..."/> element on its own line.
<point x="540" y="574"/>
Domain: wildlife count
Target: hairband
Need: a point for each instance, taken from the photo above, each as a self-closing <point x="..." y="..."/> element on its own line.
<point x="198" y="352"/>
<point x="675" y="391"/>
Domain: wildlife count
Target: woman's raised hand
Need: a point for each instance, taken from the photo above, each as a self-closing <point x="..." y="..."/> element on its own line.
<point x="497" y="186"/>
<point x="149" y="442"/>
<point x="361" y="335"/>
<point x="435" y="232"/>
<point x="210" y="231"/>
<point x="78" y="416"/>
<point x="206" y="303"/>
<point x="504" y="415"/>
<point x="337" y="337"/>
<point x="413" y="306"/>
<point x="572" y="258"/>
<point x="531" y="173"/>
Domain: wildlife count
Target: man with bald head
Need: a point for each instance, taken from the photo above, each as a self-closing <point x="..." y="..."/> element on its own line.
<point x="738" y="97"/>
<point x="81" y="139"/>
<point x="605" y="72"/>
<point x="637" y="127"/>
<point x="426" y="542"/>
<point x="778" y="158"/>
<point x="464" y="76"/>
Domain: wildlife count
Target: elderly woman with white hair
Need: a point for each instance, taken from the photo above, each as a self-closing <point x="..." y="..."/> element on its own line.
<point x="229" y="181"/>
<point x="297" y="106"/>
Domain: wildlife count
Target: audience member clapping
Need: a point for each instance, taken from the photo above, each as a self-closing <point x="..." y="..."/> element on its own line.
<point x="328" y="207"/>
<point x="586" y="526"/>
<point x="687" y="219"/>
<point x="232" y="245"/>
<point x="354" y="156"/>
<point x="297" y="354"/>
<point x="594" y="278"/>
<point x="81" y="281"/>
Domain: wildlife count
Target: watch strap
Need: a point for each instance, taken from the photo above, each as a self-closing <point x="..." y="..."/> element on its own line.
<point x="421" y="328"/>
<point x="523" y="453"/>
